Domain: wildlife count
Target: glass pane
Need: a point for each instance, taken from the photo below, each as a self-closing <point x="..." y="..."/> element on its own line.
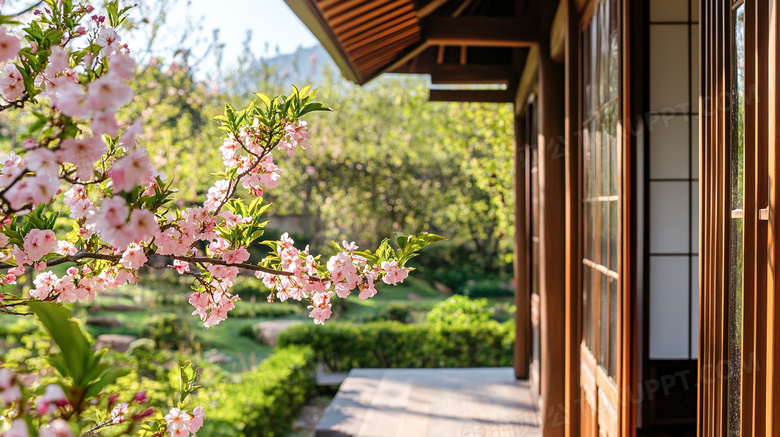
<point x="604" y="255"/>
<point x="611" y="117"/>
<point x="737" y="164"/>
<point x="603" y="22"/>
<point x="587" y="92"/>
<point x="613" y="328"/>
<point x="613" y="47"/>
<point x="536" y="338"/>
<point x="593" y="84"/>
<point x="586" y="301"/>
<point x="613" y="235"/>
<point x="593" y="315"/>
<point x="594" y="159"/>
<point x="603" y="314"/>
<point x="604" y="145"/>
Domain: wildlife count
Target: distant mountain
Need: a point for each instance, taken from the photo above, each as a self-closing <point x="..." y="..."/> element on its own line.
<point x="305" y="63"/>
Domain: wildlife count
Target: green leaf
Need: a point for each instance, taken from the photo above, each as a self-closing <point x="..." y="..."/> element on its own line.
<point x="265" y="99"/>
<point x="108" y="377"/>
<point x="74" y="347"/>
<point x="312" y="107"/>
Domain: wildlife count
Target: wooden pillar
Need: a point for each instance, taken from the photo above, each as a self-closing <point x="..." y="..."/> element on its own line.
<point x="522" y="289"/>
<point x="573" y="200"/>
<point x="552" y="232"/>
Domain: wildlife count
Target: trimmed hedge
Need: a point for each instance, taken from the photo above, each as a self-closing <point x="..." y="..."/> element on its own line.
<point x="490" y="288"/>
<point x="344" y="346"/>
<point x="266" y="401"/>
<point x="246" y="310"/>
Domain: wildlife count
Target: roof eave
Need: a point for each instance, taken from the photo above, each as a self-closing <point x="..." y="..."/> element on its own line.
<point x="311" y="18"/>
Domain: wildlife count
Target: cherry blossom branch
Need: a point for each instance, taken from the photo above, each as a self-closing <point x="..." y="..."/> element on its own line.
<point x="193" y="259"/>
<point x="33" y="6"/>
<point x="17" y="104"/>
<point x="97" y="427"/>
<point x="71" y="258"/>
<point x="221" y="262"/>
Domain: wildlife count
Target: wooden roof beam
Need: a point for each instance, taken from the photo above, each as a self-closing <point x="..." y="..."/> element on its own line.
<point x="481" y="32"/>
<point x="472" y="96"/>
<point x="476" y="74"/>
<point x="558" y="32"/>
<point x="430" y="7"/>
<point x="527" y="80"/>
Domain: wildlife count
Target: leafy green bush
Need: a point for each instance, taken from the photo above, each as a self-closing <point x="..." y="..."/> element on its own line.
<point x="266" y="401"/>
<point x="264" y="309"/>
<point x="503" y="311"/>
<point x="460" y="310"/>
<point x="344" y="346"/>
<point x="488" y="288"/>
<point x="169" y="331"/>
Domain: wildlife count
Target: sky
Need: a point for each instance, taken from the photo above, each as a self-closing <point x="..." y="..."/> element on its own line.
<point x="271" y="21"/>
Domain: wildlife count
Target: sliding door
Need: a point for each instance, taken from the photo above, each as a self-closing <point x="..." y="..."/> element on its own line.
<point x="601" y="222"/>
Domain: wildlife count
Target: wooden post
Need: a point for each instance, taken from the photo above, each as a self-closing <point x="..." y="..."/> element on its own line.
<point x="552" y="195"/>
<point x="522" y="288"/>
<point x="573" y="226"/>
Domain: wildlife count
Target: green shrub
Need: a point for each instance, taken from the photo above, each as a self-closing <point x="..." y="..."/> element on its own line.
<point x="488" y="288"/>
<point x="264" y="309"/>
<point x="169" y="331"/>
<point x="344" y="346"/>
<point x="460" y="310"/>
<point x="266" y="401"/>
<point x="454" y="264"/>
<point x="503" y="311"/>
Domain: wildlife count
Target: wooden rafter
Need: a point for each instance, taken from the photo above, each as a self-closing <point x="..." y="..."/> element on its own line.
<point x="481" y="32"/>
<point x="477" y="74"/>
<point x="430" y="7"/>
<point x="478" y="96"/>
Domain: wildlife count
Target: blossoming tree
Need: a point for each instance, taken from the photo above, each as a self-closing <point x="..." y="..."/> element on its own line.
<point x="71" y="70"/>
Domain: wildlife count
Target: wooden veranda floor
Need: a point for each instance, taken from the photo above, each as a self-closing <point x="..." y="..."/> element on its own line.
<point x="431" y="403"/>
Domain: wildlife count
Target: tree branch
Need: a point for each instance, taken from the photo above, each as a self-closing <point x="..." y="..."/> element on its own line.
<point x="194" y="259"/>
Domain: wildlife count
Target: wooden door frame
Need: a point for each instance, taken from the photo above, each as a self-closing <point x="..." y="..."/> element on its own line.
<point x="759" y="375"/>
<point x="579" y="12"/>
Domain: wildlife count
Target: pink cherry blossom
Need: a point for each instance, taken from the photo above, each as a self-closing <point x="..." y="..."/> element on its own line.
<point x="131" y="170"/>
<point x="198" y="414"/>
<point x="71" y="99"/>
<point x="104" y="123"/>
<point x="143" y="225"/>
<point x="121" y="66"/>
<point x="83" y="153"/>
<point x="109" y="40"/>
<point x="232" y="220"/>
<point x="128" y="139"/>
<point x="9" y="45"/>
<point x="181" y="266"/>
<point x="44" y="285"/>
<point x="177" y="420"/>
<point x="58" y="61"/>
<point x="320" y="315"/>
<point x="393" y="274"/>
<point x="133" y="257"/>
<point x="11" y="83"/>
<point x="118" y="413"/>
<point x="108" y="92"/>
<point x="57" y="428"/>
<point x="42" y="160"/>
<point x="32" y="191"/>
<point x="53" y="398"/>
<point x="10" y="391"/>
<point x="18" y="429"/>
<point x="216" y="195"/>
<point x="237" y="256"/>
<point x="39" y="242"/>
